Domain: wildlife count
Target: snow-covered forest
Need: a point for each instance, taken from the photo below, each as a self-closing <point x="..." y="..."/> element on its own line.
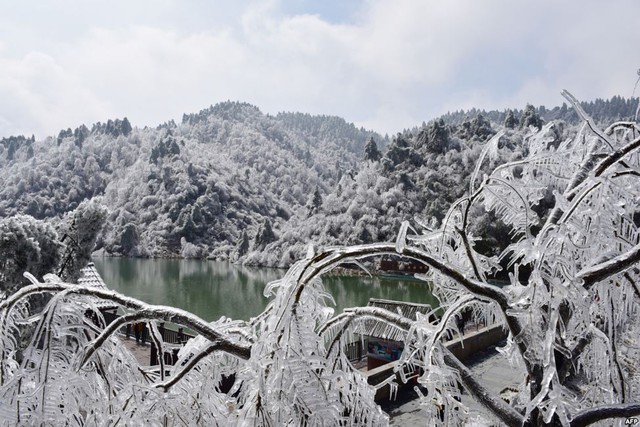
<point x="233" y="183"/>
<point x="568" y="198"/>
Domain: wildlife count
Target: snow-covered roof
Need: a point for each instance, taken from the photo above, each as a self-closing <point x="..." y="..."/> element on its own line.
<point x="378" y="329"/>
<point x="91" y="277"/>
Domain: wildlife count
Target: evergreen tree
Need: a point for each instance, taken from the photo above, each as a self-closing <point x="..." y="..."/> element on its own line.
<point x="481" y="128"/>
<point x="438" y="137"/>
<point x="510" y="121"/>
<point x="12" y="150"/>
<point x="81" y="230"/>
<point x="530" y="118"/>
<point x="243" y="245"/>
<point x="315" y="202"/>
<point x="371" y="152"/>
<point x="125" y="127"/>
<point x="264" y="236"/>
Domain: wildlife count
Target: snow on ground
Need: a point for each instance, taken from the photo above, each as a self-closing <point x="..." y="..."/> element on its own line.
<point x="492" y="369"/>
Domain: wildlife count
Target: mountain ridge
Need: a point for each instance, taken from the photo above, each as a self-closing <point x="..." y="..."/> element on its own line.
<point x="231" y="182"/>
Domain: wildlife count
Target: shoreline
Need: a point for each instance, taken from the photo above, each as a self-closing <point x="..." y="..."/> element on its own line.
<point x="337" y="271"/>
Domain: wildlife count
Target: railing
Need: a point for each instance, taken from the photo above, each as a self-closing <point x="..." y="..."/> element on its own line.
<point x="356" y="350"/>
<point x="169" y="336"/>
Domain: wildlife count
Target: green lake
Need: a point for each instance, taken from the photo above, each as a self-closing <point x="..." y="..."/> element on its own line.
<point x="211" y="289"/>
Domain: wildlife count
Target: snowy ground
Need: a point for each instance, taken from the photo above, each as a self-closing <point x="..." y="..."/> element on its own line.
<point x="490" y="367"/>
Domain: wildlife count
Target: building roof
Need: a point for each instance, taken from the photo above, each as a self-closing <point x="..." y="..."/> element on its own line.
<point x="91" y="277"/>
<point x="379" y="329"/>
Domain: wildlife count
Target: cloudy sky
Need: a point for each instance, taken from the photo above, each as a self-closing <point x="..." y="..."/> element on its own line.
<point x="382" y="64"/>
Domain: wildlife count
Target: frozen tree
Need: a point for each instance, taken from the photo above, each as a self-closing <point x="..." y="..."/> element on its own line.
<point x="26" y="244"/>
<point x="314" y="203"/>
<point x="242" y="247"/>
<point x="571" y="310"/>
<point x="510" y="121"/>
<point x="80" y="232"/>
<point x="437" y="137"/>
<point x="74" y="371"/>
<point x="530" y="118"/>
<point x="572" y="301"/>
<point x="371" y="152"/>
<point x="264" y="235"/>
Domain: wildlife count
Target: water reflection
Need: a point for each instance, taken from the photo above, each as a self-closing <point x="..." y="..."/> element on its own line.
<point x="353" y="291"/>
<point x="212" y="289"/>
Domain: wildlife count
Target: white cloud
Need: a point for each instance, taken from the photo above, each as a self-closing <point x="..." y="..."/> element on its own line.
<point x="39" y="95"/>
<point x="394" y="64"/>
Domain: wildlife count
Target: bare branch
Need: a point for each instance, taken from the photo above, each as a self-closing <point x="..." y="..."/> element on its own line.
<point x="604" y="412"/>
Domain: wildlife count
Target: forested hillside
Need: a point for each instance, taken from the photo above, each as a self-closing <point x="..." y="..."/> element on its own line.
<point x="188" y="189"/>
<point x="233" y="183"/>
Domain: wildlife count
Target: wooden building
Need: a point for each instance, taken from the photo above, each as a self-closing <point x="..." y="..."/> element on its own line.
<point x="385" y="342"/>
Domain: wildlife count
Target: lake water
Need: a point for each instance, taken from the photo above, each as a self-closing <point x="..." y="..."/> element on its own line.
<point x="211" y="289"/>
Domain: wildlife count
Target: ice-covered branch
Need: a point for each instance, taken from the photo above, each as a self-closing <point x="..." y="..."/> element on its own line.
<point x="330" y="258"/>
<point x="333" y="257"/>
<point x="209" y="349"/>
<point x="346" y="319"/>
<point x="602" y="271"/>
<point x="106" y="333"/>
<point x="393" y="319"/>
<point x="633" y="283"/>
<point x="470" y="256"/>
<point x="567" y="363"/>
<point x="623" y="125"/>
<point x="616" y="156"/>
<point x="585" y="117"/>
<point x="481" y="394"/>
<point x="146" y="311"/>
<point x="604" y="412"/>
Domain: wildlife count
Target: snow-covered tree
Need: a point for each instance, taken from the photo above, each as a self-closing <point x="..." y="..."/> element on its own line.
<point x="315" y="202"/>
<point x="530" y="118"/>
<point x="510" y="121"/>
<point x="79" y="234"/>
<point x="571" y="310"/>
<point x="26" y="244"/>
<point x="371" y="152"/>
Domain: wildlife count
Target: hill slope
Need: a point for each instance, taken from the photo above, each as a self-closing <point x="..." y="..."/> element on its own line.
<point x="231" y="182"/>
<point x="185" y="189"/>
